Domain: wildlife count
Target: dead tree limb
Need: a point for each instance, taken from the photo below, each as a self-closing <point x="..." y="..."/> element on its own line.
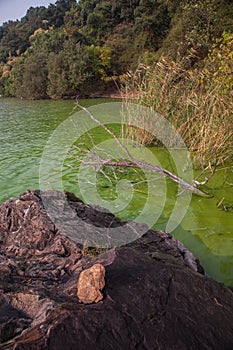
<point x="131" y="162"/>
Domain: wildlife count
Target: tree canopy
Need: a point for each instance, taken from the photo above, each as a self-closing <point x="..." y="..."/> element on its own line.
<point x="72" y="47"/>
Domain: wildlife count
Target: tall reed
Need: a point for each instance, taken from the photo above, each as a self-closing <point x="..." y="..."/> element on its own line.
<point x="201" y="114"/>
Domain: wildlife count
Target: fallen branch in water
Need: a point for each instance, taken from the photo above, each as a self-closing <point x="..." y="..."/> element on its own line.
<point x="95" y="159"/>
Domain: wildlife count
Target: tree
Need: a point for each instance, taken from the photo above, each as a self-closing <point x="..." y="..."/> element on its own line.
<point x="48" y="41"/>
<point x="69" y="71"/>
<point x="57" y="12"/>
<point x="151" y="24"/>
<point x="35" y="76"/>
<point x="57" y="75"/>
<point x="193" y="26"/>
<point x="100" y="59"/>
<point x="218" y="68"/>
<point x="13" y="87"/>
<point x="15" y="40"/>
<point x="125" y="32"/>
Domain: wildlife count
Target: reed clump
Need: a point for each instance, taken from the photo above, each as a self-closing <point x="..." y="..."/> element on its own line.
<point x="202" y="114"/>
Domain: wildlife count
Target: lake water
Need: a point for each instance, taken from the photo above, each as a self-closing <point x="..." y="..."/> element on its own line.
<point x="26" y="126"/>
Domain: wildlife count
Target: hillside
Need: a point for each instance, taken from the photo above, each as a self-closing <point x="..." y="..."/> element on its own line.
<point x="81" y="48"/>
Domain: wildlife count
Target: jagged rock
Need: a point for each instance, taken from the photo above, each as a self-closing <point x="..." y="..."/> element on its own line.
<point x="155" y="296"/>
<point x="90" y="284"/>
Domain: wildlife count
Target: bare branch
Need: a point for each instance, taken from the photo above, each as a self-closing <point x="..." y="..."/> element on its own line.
<point x="211" y="168"/>
<point x="96" y="160"/>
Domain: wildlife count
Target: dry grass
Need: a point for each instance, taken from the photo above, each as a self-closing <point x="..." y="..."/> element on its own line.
<point x="93" y="251"/>
<point x="201" y="115"/>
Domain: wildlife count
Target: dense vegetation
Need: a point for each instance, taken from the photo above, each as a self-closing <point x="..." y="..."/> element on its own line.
<point x="82" y="48"/>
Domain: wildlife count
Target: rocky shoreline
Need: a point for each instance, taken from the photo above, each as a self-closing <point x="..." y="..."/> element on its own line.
<point x="155" y="294"/>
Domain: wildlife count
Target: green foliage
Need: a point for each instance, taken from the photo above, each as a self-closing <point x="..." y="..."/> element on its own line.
<point x="35" y="76"/>
<point x="15" y="39"/>
<point x="151" y="23"/>
<point x="69" y="71"/>
<point x="14" y="35"/>
<point x="122" y="47"/>
<point x="57" y="76"/>
<point x="13" y="86"/>
<point x="49" y="41"/>
<point x="28" y="77"/>
<point x="57" y="12"/>
<point x="218" y="67"/>
<point x="194" y="25"/>
<point x="100" y="58"/>
<point x="82" y="44"/>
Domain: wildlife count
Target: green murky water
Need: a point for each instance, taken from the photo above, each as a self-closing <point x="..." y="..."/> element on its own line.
<point x="206" y="229"/>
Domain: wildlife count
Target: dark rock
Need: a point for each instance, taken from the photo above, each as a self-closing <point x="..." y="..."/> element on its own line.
<point x="155" y="296"/>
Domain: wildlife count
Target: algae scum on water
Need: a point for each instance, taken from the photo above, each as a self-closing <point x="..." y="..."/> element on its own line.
<point x="206" y="228"/>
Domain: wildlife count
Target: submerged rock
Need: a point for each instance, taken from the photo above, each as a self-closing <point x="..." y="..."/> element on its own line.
<point x="155" y="295"/>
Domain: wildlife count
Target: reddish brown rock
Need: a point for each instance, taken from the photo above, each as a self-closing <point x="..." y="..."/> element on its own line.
<point x="154" y="296"/>
<point x="90" y="284"/>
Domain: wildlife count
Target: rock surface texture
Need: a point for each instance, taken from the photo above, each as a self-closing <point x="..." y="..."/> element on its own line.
<point x="155" y="296"/>
<point x="90" y="284"/>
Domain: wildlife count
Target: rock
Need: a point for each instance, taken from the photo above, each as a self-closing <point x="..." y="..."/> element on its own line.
<point x="155" y="294"/>
<point x="90" y="284"/>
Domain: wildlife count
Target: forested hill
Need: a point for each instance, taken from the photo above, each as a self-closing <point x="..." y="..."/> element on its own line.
<point x="80" y="48"/>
